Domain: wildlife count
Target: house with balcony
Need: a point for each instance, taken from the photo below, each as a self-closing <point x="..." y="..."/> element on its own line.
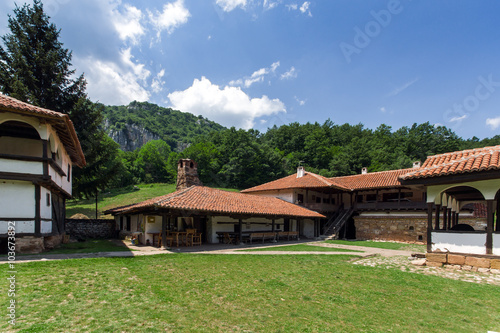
<point x="38" y="149"/>
<point x="370" y="205"/>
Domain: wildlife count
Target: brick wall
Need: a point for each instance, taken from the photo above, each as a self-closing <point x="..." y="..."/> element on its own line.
<point x="85" y="229"/>
<point x="401" y="229"/>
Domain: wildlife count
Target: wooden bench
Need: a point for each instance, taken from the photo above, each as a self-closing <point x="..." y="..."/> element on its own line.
<point x="288" y="235"/>
<point x="262" y="236"/>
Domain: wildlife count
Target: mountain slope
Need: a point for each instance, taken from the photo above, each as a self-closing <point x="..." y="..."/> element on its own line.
<point x="135" y="124"/>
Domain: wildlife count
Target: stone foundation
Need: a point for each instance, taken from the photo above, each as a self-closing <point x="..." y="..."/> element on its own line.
<point x="30" y="244"/>
<point x="51" y="242"/>
<point x="411" y="229"/>
<point x="468" y="262"/>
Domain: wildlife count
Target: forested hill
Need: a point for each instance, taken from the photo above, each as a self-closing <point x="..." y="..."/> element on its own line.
<point x="135" y="124"/>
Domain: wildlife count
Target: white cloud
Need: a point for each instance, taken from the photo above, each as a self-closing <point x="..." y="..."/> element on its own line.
<point x="383" y="109"/>
<point x="304" y="9"/>
<point x="292" y="6"/>
<point x="157" y="84"/>
<point x="400" y="89"/>
<point x="173" y="15"/>
<point x="268" y="5"/>
<point x="493" y="123"/>
<point x="301" y="102"/>
<point x="229" y="106"/>
<point x="459" y="119"/>
<point x="257" y="76"/>
<point x="291" y="74"/>
<point x="114" y="83"/>
<point x="128" y="23"/>
<point x="229" y="5"/>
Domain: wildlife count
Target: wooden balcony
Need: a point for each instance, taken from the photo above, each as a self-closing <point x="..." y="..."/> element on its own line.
<point x="392" y="205"/>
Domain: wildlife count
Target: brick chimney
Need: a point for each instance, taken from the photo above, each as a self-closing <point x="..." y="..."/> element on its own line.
<point x="187" y="174"/>
<point x="364" y="171"/>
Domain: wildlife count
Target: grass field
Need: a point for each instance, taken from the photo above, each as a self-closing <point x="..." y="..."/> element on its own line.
<point x="243" y="293"/>
<point x="302" y="248"/>
<point x="381" y="245"/>
<point x="90" y="246"/>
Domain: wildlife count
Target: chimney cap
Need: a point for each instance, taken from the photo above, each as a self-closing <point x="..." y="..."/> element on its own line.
<point x="416" y="164"/>
<point x="364" y="170"/>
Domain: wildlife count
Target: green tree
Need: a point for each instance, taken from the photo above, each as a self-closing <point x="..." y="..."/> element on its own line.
<point x="34" y="65"/>
<point x="152" y="162"/>
<point x="36" y="68"/>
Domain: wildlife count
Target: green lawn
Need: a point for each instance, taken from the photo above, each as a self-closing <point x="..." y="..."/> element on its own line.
<point x="382" y="245"/>
<point x="302" y="248"/>
<point x="119" y="197"/>
<point x="89" y="246"/>
<point x="243" y="293"/>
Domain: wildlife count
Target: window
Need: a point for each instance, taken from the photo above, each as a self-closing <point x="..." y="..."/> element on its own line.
<point x="48" y="199"/>
<point x="318" y="199"/>
<point x="326" y="200"/>
<point x="371" y="197"/>
<point x="300" y="198"/>
<point x="69" y="172"/>
<point x="359" y="198"/>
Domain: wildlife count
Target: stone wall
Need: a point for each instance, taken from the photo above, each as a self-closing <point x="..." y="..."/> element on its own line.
<point x="85" y="229"/>
<point x="29" y="244"/>
<point x="412" y="229"/>
<point x="468" y="262"/>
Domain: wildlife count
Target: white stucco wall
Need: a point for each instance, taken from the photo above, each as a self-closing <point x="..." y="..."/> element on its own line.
<point x="459" y="242"/>
<point x="307" y="228"/>
<point x="22" y="227"/>
<point x="45" y="210"/>
<point x="496" y="244"/>
<point x="32" y="168"/>
<point x="154" y="227"/>
<point x="17" y="199"/>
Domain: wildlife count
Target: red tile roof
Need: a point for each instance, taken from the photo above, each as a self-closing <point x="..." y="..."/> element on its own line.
<point x="206" y="199"/>
<point x="459" y="162"/>
<point x="373" y="180"/>
<point x="60" y="121"/>
<point x="309" y="180"/>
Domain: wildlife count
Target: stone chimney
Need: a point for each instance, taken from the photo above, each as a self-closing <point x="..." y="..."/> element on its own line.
<point x="416" y="164"/>
<point x="187" y="174"/>
<point x="364" y="171"/>
<point x="300" y="172"/>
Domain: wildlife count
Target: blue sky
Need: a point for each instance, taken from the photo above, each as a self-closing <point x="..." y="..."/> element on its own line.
<point x="259" y="63"/>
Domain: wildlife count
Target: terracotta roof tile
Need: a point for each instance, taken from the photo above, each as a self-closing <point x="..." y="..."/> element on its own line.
<point x="372" y="180"/>
<point x="309" y="180"/>
<point x="459" y="162"/>
<point x="61" y="122"/>
<point x="206" y="199"/>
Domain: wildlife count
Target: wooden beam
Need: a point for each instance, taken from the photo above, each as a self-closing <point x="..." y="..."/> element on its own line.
<point x="445" y="217"/>
<point x="489" y="226"/>
<point x="240" y="231"/>
<point x="497" y="228"/>
<point x="164" y="231"/>
<point x="38" y="221"/>
<point x="429" y="226"/>
<point x="438" y="213"/>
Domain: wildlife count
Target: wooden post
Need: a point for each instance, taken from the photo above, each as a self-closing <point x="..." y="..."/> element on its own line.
<point x="429" y="227"/>
<point x="445" y="217"/>
<point x="453" y="219"/>
<point x="399" y="198"/>
<point x="164" y="231"/>
<point x="456" y="218"/>
<point x="449" y="219"/>
<point x="489" y="226"/>
<point x="497" y="227"/>
<point x="240" y="233"/>
<point x="438" y="213"/>
<point x="273" y="225"/>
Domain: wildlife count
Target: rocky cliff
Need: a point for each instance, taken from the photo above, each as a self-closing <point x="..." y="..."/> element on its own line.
<point x="131" y="137"/>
